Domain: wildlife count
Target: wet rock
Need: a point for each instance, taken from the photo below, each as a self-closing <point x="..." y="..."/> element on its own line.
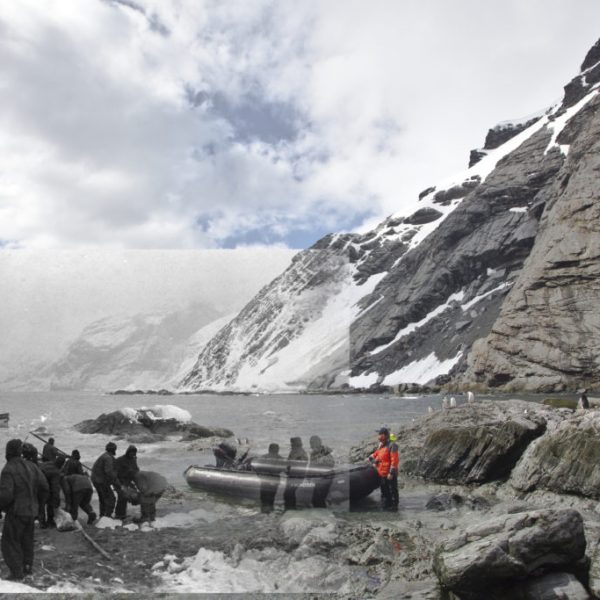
<point x="444" y="501"/>
<point x="564" y="460"/>
<point x="472" y="443"/>
<point x="552" y="586"/>
<point x="509" y="549"/>
<point x="452" y="501"/>
<point x="142" y="426"/>
<point x="114" y="423"/>
<point x="477" y="453"/>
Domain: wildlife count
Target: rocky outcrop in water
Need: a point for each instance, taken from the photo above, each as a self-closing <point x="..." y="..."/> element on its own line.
<point x="495" y="559"/>
<point x="472" y="443"/>
<point x="144" y="426"/>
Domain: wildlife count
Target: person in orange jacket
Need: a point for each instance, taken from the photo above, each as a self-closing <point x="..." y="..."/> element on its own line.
<point x="385" y="459"/>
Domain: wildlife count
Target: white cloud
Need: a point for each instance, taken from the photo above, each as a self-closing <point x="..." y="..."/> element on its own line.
<point x="101" y="144"/>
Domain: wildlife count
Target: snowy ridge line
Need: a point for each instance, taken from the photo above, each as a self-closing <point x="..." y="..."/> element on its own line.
<point x="457" y="297"/>
<point x="480" y="170"/>
<point x="477" y="299"/>
<point x="560" y="123"/>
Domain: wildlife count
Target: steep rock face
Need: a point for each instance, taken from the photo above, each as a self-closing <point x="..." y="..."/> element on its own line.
<point x="564" y="460"/>
<point x="546" y="336"/>
<point x="446" y="292"/>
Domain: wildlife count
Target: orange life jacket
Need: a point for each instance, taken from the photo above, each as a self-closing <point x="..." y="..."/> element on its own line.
<point x="386" y="458"/>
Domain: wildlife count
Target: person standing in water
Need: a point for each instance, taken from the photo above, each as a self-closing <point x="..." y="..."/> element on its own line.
<point x="385" y="459"/>
<point x="297" y="457"/>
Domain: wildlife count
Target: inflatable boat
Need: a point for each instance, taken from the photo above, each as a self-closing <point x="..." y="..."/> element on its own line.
<point x="309" y="485"/>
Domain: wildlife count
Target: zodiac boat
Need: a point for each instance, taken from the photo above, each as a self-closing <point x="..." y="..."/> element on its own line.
<point x="340" y="483"/>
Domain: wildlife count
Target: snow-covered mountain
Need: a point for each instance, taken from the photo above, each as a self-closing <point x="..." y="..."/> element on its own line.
<point x="145" y="351"/>
<point x="407" y="301"/>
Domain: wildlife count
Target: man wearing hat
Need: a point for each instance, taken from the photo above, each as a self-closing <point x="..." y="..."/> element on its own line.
<point x="104" y="478"/>
<point x="385" y="459"/>
<point x="23" y="489"/>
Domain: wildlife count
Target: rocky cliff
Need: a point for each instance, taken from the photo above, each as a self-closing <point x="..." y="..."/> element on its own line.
<point x="493" y="280"/>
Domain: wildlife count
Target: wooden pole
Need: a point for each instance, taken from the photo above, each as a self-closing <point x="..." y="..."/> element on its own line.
<point x="57" y="449"/>
<point x="92" y="542"/>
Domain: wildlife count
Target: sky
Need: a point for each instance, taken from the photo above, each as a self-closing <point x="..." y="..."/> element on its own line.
<point x="186" y="124"/>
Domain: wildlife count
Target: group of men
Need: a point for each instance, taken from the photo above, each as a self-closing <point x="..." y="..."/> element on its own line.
<point x="297" y="460"/>
<point x="30" y="490"/>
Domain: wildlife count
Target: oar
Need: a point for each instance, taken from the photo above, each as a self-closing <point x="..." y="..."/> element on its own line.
<point x="57" y="449"/>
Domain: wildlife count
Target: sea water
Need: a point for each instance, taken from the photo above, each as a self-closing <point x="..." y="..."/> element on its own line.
<point x="340" y="421"/>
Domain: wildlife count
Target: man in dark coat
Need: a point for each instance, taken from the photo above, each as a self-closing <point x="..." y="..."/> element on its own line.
<point x="151" y="487"/>
<point x="52" y="471"/>
<point x="49" y="452"/>
<point x="78" y="490"/>
<point x="104" y="478"/>
<point x="269" y="481"/>
<point x="73" y="466"/>
<point x="23" y="488"/>
<point x="320" y="455"/>
<point x="127" y="467"/>
<point x="295" y="478"/>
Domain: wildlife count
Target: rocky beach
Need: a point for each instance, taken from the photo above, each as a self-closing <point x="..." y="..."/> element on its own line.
<point x="498" y="500"/>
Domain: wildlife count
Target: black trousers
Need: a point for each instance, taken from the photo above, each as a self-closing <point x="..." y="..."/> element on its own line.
<point x="268" y="491"/>
<point x="394" y="490"/>
<point x="121" y="509"/>
<point x="81" y="499"/>
<point x="386" y="492"/>
<point x="106" y="499"/>
<point x="17" y="544"/>
<point x="320" y="493"/>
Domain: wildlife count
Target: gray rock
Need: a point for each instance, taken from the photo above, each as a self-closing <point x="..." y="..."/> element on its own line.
<point x="564" y="460"/>
<point x="508" y="549"/>
<point x="449" y="501"/>
<point x="472" y="443"/>
<point x="422" y="216"/>
<point x="546" y="336"/>
<point x="502" y="133"/>
<point x="552" y="586"/>
<point x="144" y="429"/>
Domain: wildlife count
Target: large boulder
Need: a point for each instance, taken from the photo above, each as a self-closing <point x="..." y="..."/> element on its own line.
<point x="565" y="460"/>
<point x="487" y="560"/>
<point x="472" y="443"/>
<point x="149" y="424"/>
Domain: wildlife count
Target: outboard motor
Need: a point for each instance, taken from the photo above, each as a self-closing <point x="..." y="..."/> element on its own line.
<point x="225" y="455"/>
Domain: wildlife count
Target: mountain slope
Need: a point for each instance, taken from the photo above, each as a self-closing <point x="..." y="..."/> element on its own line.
<point x="145" y="351"/>
<point x="406" y="302"/>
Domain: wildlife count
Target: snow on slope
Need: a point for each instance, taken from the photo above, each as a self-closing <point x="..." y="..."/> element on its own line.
<point x="145" y="351"/>
<point x="294" y="335"/>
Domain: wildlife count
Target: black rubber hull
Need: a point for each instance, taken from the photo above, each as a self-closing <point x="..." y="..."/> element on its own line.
<point x="336" y="485"/>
